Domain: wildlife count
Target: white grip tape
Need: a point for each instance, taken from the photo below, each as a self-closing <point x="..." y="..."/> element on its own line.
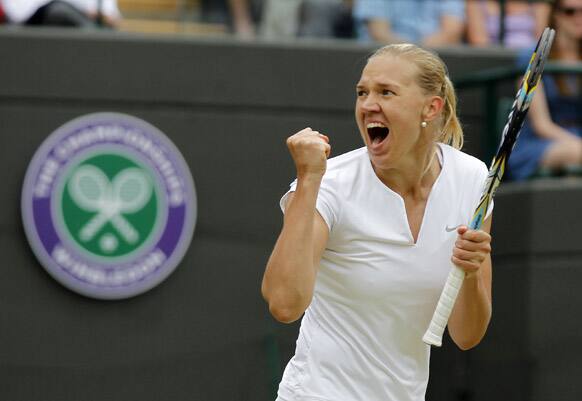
<point x="434" y="334"/>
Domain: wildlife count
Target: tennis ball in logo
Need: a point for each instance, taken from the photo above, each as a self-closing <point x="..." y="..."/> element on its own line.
<point x="109" y="205"/>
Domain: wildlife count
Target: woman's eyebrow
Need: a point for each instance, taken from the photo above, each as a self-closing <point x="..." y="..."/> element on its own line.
<point x="381" y="84"/>
<point x="391" y="85"/>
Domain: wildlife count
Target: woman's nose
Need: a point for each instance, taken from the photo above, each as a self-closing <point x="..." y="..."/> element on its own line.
<point x="370" y="103"/>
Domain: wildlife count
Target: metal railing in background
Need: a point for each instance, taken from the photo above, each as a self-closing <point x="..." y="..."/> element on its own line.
<point x="502" y="14"/>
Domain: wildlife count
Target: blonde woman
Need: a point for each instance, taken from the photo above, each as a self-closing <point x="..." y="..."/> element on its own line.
<point x="366" y="243"/>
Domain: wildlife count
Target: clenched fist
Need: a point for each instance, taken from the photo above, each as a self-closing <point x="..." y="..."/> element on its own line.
<point x="309" y="150"/>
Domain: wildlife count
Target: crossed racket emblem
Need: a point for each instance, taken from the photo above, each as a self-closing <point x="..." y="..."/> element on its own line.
<point x="127" y="192"/>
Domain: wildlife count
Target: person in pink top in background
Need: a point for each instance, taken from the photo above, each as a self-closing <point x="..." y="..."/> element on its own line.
<point x="524" y="22"/>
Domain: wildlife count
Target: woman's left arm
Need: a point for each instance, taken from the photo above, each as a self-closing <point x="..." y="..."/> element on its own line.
<point x="541" y="12"/>
<point x="472" y="311"/>
<point x="450" y="33"/>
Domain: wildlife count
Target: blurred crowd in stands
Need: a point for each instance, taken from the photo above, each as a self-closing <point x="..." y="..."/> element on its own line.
<point x="429" y="22"/>
<point x="510" y="23"/>
<point x="551" y="138"/>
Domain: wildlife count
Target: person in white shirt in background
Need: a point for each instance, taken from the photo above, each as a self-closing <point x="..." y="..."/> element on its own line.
<point x="364" y="251"/>
<point x="77" y="13"/>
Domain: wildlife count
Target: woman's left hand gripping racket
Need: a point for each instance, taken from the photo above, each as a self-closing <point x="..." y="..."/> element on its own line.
<point x="434" y="334"/>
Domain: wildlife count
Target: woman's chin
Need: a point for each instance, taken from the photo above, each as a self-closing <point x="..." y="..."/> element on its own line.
<point x="381" y="160"/>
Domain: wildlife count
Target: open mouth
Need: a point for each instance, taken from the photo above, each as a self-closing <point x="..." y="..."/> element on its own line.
<point x="377" y="132"/>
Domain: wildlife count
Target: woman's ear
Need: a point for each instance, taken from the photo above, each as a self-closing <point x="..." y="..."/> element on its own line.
<point x="433" y="108"/>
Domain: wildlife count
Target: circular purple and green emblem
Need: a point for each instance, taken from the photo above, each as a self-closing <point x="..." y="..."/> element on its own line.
<point x="109" y="205"/>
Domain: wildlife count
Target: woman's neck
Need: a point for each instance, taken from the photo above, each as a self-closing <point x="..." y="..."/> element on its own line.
<point x="415" y="176"/>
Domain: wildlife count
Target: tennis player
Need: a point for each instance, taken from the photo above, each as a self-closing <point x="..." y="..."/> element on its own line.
<point x="369" y="236"/>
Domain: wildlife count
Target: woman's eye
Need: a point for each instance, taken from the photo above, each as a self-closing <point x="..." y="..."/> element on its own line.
<point x="360" y="93"/>
<point x="387" y="92"/>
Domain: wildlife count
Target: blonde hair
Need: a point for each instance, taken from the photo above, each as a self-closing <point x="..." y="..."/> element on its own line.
<point x="432" y="77"/>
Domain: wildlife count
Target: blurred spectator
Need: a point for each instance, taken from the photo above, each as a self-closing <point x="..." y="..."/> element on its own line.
<point x="523" y="23"/>
<point x="551" y="139"/>
<point x="242" y="21"/>
<point x="240" y="16"/>
<point x="280" y="19"/>
<point x="307" y="18"/>
<point x="430" y="23"/>
<point x="74" y="13"/>
<point x="325" y="19"/>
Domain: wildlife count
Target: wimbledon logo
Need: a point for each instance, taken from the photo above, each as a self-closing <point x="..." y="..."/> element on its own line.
<point x="108" y="205"/>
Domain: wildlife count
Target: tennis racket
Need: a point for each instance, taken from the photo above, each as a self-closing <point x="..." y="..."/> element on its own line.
<point x="434" y="334"/>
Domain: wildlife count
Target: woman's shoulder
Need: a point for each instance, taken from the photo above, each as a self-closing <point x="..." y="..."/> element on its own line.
<point x="462" y="162"/>
<point x="345" y="169"/>
<point x="345" y="160"/>
<point x="465" y="173"/>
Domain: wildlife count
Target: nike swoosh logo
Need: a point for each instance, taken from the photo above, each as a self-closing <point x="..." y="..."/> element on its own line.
<point x="450" y="229"/>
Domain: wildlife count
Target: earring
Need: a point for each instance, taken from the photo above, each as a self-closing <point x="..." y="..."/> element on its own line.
<point x="423" y="124"/>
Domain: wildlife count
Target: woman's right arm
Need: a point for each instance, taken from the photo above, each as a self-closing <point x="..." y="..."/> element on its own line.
<point x="541" y="11"/>
<point x="290" y="274"/>
<point x="476" y="29"/>
<point x="380" y="31"/>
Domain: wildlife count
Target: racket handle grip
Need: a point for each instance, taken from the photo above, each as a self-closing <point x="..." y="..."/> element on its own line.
<point x="434" y="333"/>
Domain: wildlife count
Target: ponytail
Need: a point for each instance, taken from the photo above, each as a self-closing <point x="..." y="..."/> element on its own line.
<point x="451" y="131"/>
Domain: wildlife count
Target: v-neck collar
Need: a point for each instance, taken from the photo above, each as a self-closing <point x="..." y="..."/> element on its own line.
<point x="435" y="186"/>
